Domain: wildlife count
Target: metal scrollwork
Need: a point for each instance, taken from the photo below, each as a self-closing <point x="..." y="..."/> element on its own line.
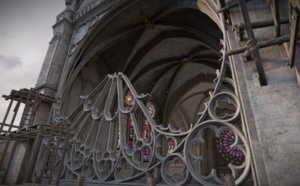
<point x="116" y="138"/>
<point x="194" y="159"/>
<point x="224" y="100"/>
<point x="102" y="148"/>
<point x="174" y="170"/>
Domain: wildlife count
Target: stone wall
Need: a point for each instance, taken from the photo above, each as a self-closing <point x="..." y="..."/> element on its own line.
<point x="272" y="111"/>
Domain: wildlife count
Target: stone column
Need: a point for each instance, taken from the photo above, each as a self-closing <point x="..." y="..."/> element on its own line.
<point x="54" y="62"/>
<point x="56" y="55"/>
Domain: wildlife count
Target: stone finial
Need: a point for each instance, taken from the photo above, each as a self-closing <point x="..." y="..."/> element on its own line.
<point x="68" y="2"/>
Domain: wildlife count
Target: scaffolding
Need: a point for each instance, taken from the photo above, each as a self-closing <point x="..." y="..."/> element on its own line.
<point x="27" y="130"/>
<point x="251" y="50"/>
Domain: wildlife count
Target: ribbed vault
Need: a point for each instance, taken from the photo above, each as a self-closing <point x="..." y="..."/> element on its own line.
<point x="169" y="49"/>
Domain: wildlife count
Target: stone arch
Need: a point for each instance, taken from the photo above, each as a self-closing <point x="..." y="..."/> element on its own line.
<point x="129" y="48"/>
<point x="173" y="54"/>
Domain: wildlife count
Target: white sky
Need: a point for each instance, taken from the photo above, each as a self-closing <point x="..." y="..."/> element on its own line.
<point x="25" y="32"/>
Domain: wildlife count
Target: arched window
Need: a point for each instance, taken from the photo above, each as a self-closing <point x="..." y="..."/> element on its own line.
<point x="129" y="101"/>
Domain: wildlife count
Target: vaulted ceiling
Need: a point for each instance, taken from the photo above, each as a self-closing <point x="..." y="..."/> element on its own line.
<point x="167" y="48"/>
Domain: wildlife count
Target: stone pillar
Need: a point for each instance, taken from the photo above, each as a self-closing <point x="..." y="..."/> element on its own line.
<point x="54" y="62"/>
<point x="14" y="168"/>
<point x="56" y="55"/>
<point x="80" y="181"/>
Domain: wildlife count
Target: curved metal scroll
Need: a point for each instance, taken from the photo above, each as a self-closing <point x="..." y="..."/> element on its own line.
<point x="99" y="148"/>
<point x="99" y="145"/>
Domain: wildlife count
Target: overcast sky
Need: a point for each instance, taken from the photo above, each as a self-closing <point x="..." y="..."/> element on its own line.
<point x="25" y="32"/>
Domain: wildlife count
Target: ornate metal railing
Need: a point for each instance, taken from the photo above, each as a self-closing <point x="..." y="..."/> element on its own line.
<point x="103" y="150"/>
<point x="99" y="147"/>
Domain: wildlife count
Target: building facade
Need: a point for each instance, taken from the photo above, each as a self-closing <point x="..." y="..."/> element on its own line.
<point x="167" y="92"/>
